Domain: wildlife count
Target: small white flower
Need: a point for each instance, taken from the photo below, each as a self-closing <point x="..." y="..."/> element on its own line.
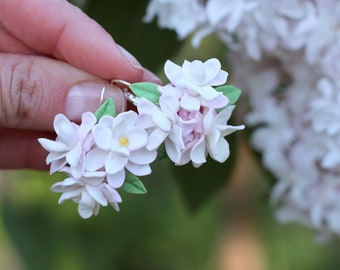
<point x="72" y="143"/>
<point x="120" y="145"/>
<point x="160" y="120"/>
<point x="196" y="79"/>
<point x="89" y="192"/>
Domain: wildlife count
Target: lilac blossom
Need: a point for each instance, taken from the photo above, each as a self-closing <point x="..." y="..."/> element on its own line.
<point x="72" y="143"/>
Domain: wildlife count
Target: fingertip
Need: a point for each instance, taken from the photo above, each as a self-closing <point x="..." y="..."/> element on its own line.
<point x="149" y="76"/>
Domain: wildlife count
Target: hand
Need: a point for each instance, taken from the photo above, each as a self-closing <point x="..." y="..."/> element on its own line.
<point x="53" y="59"/>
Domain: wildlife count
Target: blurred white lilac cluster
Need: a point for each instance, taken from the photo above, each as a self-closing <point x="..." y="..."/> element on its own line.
<point x="185" y="120"/>
<point x="285" y="55"/>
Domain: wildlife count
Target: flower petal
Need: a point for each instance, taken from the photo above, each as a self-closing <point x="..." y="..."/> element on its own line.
<point x="143" y="156"/>
<point x="102" y="136"/>
<point x="95" y="159"/>
<point x="220" y="151"/>
<point x="116" y="180"/>
<point x="190" y="103"/>
<point x="96" y="194"/>
<point x="139" y="170"/>
<point x="199" y="152"/>
<point x="115" y="163"/>
<point x="53" y="146"/>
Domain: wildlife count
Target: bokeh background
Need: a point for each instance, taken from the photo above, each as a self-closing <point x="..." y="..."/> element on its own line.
<point x="232" y="228"/>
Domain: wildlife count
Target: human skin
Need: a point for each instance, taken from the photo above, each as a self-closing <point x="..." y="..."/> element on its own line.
<point x="53" y="59"/>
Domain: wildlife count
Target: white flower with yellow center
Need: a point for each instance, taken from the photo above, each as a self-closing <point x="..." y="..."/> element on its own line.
<point x="120" y="145"/>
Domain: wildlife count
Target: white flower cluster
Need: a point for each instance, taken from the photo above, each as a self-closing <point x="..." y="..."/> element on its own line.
<point x="107" y="151"/>
<point x="285" y="55"/>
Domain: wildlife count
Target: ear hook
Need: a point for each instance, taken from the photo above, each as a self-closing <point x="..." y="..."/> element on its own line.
<point x="101" y="100"/>
<point x="128" y="95"/>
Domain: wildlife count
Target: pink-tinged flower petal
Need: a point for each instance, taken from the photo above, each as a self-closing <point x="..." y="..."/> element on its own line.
<point x="190" y="103"/>
<point x="196" y="71"/>
<point x="88" y="120"/>
<point x="78" y="170"/>
<point x="220" y="151"/>
<point x="147" y="107"/>
<point x="220" y="79"/>
<point x="137" y="138"/>
<point x="143" y="156"/>
<point x="207" y="92"/>
<point x="102" y="136"/>
<point x="115" y="163"/>
<point x="176" y="137"/>
<point x="61" y="120"/>
<point x="199" y="151"/>
<point x="111" y="195"/>
<point x="96" y="194"/>
<point x="56" y="156"/>
<point x="94" y="174"/>
<point x="86" y="206"/>
<point x="172" y="151"/>
<point x="139" y="170"/>
<point x="53" y="146"/>
<point x="115" y="206"/>
<point x="209" y="120"/>
<point x="86" y="201"/>
<point x="70" y="182"/>
<point x="156" y="138"/>
<point x="69" y="195"/>
<point x="216" y="103"/>
<point x="68" y="134"/>
<point x="74" y="155"/>
<point x="93" y="181"/>
<point x="95" y="159"/>
<point x="57" y="165"/>
<point x="106" y="121"/>
<point x="162" y="122"/>
<point x="144" y="121"/>
<point x="126" y="119"/>
<point x="116" y="180"/>
<point x="174" y="73"/>
<point x="169" y="104"/>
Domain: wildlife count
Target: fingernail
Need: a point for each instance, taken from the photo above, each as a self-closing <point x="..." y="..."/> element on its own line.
<point x="133" y="61"/>
<point x="148" y="76"/>
<point x="85" y="97"/>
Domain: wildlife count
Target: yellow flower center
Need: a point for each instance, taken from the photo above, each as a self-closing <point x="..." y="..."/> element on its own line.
<point x="124" y="141"/>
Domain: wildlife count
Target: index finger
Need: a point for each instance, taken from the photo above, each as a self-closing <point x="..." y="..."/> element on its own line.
<point x="57" y="28"/>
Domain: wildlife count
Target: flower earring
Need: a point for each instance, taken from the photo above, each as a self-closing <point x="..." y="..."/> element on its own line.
<point x="184" y="121"/>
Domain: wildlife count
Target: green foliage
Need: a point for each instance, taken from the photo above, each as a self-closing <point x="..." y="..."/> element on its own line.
<point x="231" y="92"/>
<point x="146" y="90"/>
<point x="107" y="108"/>
<point x="133" y="184"/>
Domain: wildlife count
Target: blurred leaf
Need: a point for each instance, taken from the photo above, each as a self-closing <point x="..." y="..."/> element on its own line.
<point x="107" y="108"/>
<point x="200" y="184"/>
<point x="146" y="90"/>
<point x="231" y="92"/>
<point x="133" y="184"/>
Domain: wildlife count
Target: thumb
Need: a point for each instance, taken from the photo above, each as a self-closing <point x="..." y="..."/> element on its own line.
<point x="34" y="89"/>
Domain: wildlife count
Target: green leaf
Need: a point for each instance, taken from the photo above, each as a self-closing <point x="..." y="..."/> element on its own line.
<point x="107" y="108"/>
<point x="231" y="92"/>
<point x="198" y="185"/>
<point x="146" y="90"/>
<point x="133" y="184"/>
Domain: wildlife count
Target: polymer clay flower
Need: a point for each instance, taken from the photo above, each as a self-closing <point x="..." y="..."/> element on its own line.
<point x="71" y="144"/>
<point x="196" y="79"/>
<point x="89" y="191"/>
<point x="120" y="145"/>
